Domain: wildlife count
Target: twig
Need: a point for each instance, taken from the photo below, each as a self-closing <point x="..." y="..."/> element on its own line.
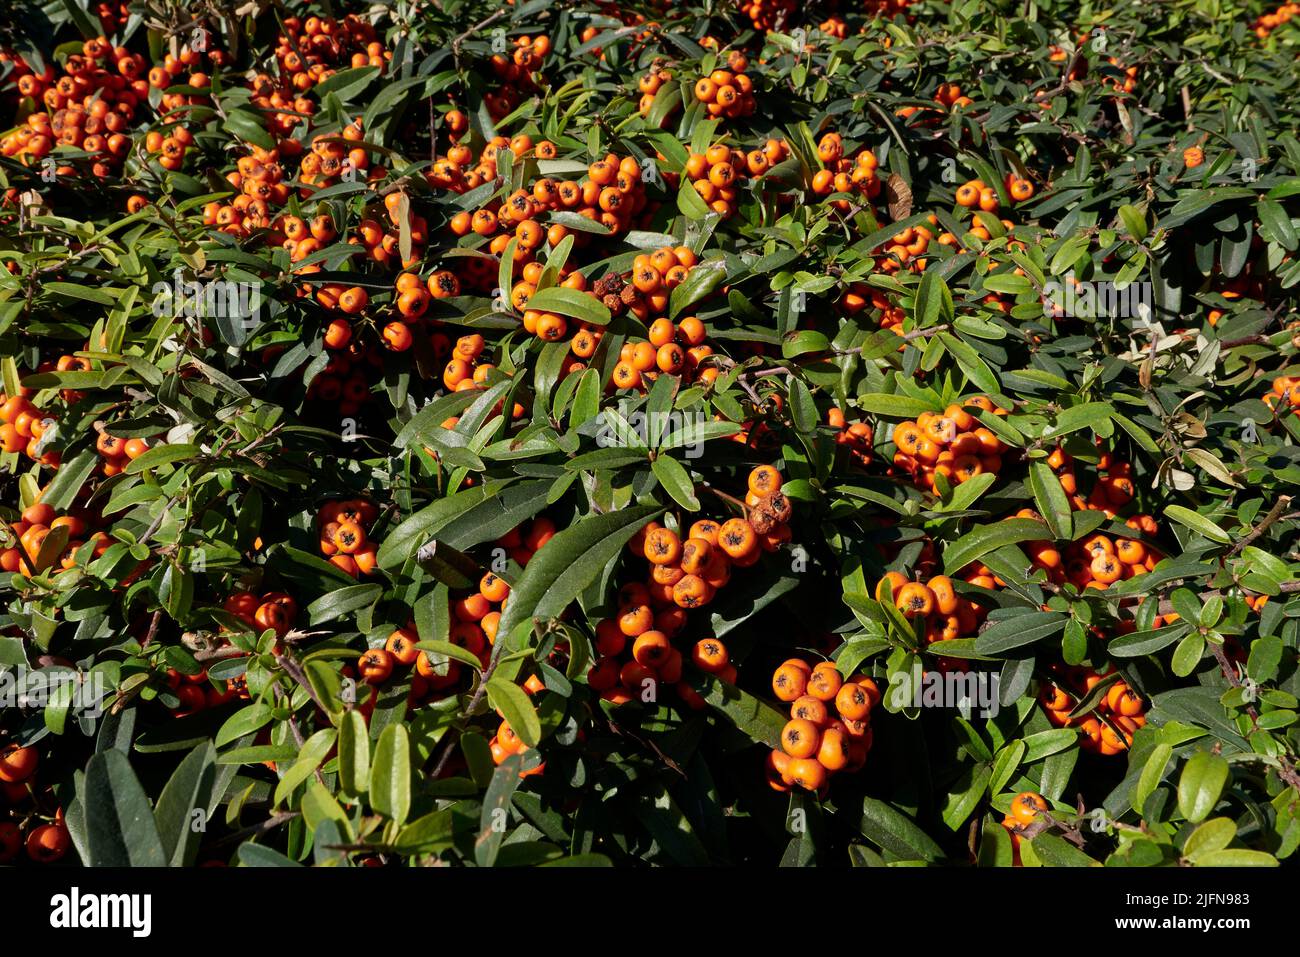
<point x="1255" y="340"/>
<point x="724" y="496"/>
<point x="1065" y="78"/>
<point x="300" y="678"/>
<point x="297" y="733"/>
<point x="1286" y="770"/>
<point x="270" y="824"/>
<point x="485" y="675"/>
<point x="1286" y="588"/>
<point x="225" y="651"/>
<point x="157" y="522"/>
<point x="1265" y="523"/>
<point x="153" y="629"/>
<point x="648" y="743"/>
<point x="487" y="21"/>
<point x="905" y="337"/>
<point x="1044" y="821"/>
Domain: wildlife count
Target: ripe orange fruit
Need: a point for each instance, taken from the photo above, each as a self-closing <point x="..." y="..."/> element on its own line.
<point x="17" y="763"/>
<point x="800" y="738"/>
<point x="1026" y="805"/>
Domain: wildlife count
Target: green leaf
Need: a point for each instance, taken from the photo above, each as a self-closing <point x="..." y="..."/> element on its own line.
<point x="346" y="84"/>
<point x="1265" y="657"/>
<point x="1139" y="643"/>
<point x="980" y="541"/>
<point x="182" y="809"/>
<point x="448" y="650"/>
<point x="354" y="754"/>
<point x="1197" y="523"/>
<point x="803" y="342"/>
<point x="1195" y="204"/>
<point x="1152" y="771"/>
<point x="70" y="290"/>
<point x="310" y="756"/>
<point x="404" y="541"/>
<point x="570" y="302"/>
<point x="894" y="406"/>
<point x="257" y="855"/>
<point x="567" y="564"/>
<point x="495" y="814"/>
<point x="343" y="602"/>
<point x="690" y="203"/>
<point x="1201" y="784"/>
<point x="757" y="719"/>
<point x="1005" y="765"/>
<point x="120" y="825"/>
<point x="1214" y="835"/>
<point x="1053" y="503"/>
<point x="699" y="282"/>
<point x="995" y="846"/>
<point x="1134" y="221"/>
<point x="1019" y="630"/>
<point x="1087" y="415"/>
<point x="1274" y="220"/>
<point x="244" y="721"/>
<point x="960" y="803"/>
<point x="69" y="480"/>
<point x="1089" y="702"/>
<point x="427" y="835"/>
<point x="1056" y="773"/>
<point x="390" y="774"/>
<point x="896" y="833"/>
<point x="975" y="368"/>
<point x="1236" y="857"/>
<point x="162" y="455"/>
<point x="670" y="828"/>
<point x="513" y="702"/>
<point x="1188" y="654"/>
<point x="933" y="301"/>
<point x="1043" y="744"/>
<point x="1057" y="852"/>
<point x="803" y="410"/>
<point x="672" y="475"/>
<point x="247" y="125"/>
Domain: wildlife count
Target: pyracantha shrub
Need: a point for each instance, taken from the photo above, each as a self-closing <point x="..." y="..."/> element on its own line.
<point x="649" y="433"/>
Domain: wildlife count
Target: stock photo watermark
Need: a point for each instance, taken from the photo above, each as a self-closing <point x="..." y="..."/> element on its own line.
<point x="82" y="693"/>
<point x="213" y="298"/>
<point x="966" y="692"/>
<point x="76" y="911"/>
<point x="1076" y="299"/>
<point x="685" y="430"/>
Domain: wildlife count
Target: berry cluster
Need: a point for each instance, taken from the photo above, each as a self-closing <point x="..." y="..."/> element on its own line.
<point x="952" y="444"/>
<point x="717" y="173"/>
<point x="44" y="838"/>
<point x="672" y="349"/>
<point x="728" y="93"/>
<point x="818" y="741"/>
<point x="89" y="107"/>
<point x="343" y="537"/>
<point x="856" y="437"/>
<point x="516" y="73"/>
<point x="1110" y="727"/>
<point x="309" y="51"/>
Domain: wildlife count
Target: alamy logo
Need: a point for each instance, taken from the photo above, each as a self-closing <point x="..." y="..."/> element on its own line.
<point x="1095" y="300"/>
<point x="75" y="910"/>
<point x="954" y="689"/>
<point x="214" y="298"/>
<point x="83" y="693"/>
